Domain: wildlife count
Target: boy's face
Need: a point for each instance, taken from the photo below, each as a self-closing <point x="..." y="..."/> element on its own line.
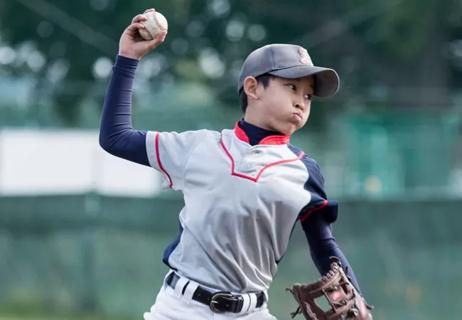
<point x="284" y="105"/>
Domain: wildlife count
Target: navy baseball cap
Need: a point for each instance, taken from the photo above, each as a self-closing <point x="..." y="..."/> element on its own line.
<point x="291" y="62"/>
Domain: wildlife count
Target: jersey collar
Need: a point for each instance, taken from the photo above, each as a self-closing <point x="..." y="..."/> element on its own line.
<point x="268" y="140"/>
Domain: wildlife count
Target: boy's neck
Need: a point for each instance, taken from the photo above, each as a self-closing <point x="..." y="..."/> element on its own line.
<point x="255" y="133"/>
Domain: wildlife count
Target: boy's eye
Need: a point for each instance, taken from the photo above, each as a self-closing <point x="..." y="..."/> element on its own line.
<point x="307" y="96"/>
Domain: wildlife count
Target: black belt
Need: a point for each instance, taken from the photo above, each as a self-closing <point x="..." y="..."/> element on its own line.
<point x="217" y="301"/>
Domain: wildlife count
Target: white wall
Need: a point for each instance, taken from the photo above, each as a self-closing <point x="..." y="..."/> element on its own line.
<point x="57" y="162"/>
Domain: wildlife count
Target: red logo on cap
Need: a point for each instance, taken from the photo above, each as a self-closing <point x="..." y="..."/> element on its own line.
<point x="304" y="56"/>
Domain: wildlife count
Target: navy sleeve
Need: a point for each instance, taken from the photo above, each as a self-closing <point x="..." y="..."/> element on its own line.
<point x="316" y="219"/>
<point x="323" y="246"/>
<point x="116" y="133"/>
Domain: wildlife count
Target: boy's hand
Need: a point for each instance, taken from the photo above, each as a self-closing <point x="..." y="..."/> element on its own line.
<point x="131" y="45"/>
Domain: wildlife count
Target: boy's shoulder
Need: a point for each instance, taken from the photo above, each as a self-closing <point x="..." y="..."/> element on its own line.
<point x="197" y="133"/>
<point x="306" y="157"/>
<point x="310" y="163"/>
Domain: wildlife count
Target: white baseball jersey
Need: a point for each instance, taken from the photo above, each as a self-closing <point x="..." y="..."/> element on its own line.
<point x="241" y="204"/>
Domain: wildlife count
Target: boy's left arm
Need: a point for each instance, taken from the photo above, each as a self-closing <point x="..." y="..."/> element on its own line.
<point x="323" y="247"/>
<point x="338" y="284"/>
<point x="316" y="219"/>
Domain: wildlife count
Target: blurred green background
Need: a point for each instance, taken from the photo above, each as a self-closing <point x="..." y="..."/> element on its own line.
<point x="77" y="243"/>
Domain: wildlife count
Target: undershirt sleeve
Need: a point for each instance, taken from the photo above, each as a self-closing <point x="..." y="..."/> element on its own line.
<point x="316" y="219"/>
<point x="117" y="135"/>
<point x="323" y="246"/>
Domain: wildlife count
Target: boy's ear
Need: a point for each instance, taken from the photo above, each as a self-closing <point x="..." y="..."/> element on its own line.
<point x="250" y="87"/>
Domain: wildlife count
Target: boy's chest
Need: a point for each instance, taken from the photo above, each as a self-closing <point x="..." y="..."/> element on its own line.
<point x="252" y="178"/>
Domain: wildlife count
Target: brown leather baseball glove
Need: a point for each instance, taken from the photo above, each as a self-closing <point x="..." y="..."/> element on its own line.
<point x="333" y="297"/>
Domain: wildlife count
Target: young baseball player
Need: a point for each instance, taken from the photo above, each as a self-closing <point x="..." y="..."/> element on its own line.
<point x="244" y="188"/>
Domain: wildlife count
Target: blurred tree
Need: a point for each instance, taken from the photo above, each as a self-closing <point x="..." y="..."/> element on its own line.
<point x="403" y="53"/>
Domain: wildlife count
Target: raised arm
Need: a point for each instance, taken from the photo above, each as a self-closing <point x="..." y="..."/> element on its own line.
<point x="117" y="135"/>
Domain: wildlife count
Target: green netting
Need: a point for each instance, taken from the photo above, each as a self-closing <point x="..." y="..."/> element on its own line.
<point x="102" y="255"/>
<point x="391" y="154"/>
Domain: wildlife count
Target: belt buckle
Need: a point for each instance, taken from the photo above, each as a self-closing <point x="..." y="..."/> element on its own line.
<point x="220" y="297"/>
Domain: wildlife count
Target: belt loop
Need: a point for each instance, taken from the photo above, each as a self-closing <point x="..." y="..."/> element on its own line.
<point x="168" y="281"/>
<point x="180" y="284"/>
<point x="245" y="303"/>
<point x="190" y="289"/>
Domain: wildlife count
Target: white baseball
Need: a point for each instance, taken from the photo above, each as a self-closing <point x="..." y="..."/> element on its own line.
<point x="155" y="24"/>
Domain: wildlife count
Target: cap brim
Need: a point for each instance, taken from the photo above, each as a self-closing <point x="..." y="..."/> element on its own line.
<point x="327" y="81"/>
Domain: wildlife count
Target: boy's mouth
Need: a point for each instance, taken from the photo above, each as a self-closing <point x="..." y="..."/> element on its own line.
<point x="298" y="116"/>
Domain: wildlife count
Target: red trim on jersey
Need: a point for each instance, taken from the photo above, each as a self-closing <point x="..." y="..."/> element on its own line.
<point x="159" y="163"/>
<point x="310" y="211"/>
<point x="240" y="134"/>
<point x="274" y="139"/>
<point x="240" y="175"/>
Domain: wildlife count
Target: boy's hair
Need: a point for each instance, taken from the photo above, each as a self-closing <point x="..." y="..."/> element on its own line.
<point x="264" y="79"/>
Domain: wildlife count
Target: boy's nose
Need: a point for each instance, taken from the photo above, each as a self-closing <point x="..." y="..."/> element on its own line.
<point x="301" y="104"/>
